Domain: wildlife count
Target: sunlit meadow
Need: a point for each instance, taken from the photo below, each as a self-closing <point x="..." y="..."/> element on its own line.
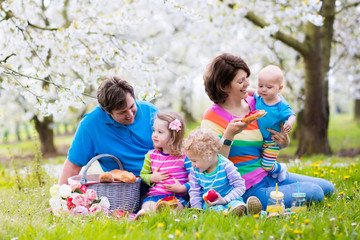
<point x="24" y="200"/>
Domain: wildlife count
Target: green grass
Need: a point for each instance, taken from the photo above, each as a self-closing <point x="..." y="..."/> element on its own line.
<point x="24" y="216"/>
<point x="24" y="199"/>
<point x="343" y="133"/>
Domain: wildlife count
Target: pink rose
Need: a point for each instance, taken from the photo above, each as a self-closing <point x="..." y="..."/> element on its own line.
<point x="79" y="200"/>
<point x="83" y="188"/>
<point x="91" y="194"/>
<point x="80" y="210"/>
<point x="95" y="208"/>
<point x="75" y="185"/>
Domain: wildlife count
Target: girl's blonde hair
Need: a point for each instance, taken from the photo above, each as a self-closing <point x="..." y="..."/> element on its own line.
<point x="201" y="141"/>
<point x="176" y="137"/>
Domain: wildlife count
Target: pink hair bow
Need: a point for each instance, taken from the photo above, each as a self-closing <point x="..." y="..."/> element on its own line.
<point x="175" y="125"/>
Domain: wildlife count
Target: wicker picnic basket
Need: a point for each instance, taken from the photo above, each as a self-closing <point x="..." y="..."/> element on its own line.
<point x="123" y="196"/>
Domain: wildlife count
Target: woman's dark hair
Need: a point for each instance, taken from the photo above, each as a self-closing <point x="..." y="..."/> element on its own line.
<point x="219" y="74"/>
<point x="112" y="92"/>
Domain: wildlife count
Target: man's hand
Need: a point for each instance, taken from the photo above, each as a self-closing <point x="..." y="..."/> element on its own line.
<point x="281" y="138"/>
<point x="177" y="187"/>
<point x="158" y="177"/>
<point x="219" y="201"/>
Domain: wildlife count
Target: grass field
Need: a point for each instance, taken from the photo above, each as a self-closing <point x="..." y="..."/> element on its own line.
<point x="24" y="196"/>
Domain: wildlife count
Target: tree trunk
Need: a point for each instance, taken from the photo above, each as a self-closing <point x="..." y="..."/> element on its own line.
<point x="314" y="122"/>
<point x="313" y="137"/>
<point x="357" y="110"/>
<point x="46" y="135"/>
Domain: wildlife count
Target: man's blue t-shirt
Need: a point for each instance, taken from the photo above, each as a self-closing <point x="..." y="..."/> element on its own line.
<point x="98" y="134"/>
<point x="276" y="114"/>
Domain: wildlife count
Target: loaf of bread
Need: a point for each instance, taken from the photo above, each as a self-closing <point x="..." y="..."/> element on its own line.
<point x="128" y="177"/>
<point x="106" y="177"/>
<point x="117" y="175"/>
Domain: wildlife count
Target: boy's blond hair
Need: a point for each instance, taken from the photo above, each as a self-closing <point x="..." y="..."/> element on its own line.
<point x="202" y="141"/>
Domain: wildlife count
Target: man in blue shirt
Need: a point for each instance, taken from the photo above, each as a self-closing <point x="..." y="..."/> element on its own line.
<point x="120" y="126"/>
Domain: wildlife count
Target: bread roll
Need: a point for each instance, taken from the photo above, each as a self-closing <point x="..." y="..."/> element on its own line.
<point x="117" y="174"/>
<point x="106" y="177"/>
<point x="128" y="177"/>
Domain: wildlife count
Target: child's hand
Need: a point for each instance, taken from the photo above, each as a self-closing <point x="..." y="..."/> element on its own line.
<point x="287" y="128"/>
<point x="251" y="91"/>
<point x="219" y="201"/>
<point x="157" y="176"/>
<point x="177" y="187"/>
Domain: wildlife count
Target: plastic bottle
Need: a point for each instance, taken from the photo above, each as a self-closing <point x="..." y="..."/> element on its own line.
<point x="275" y="203"/>
<point x="298" y="203"/>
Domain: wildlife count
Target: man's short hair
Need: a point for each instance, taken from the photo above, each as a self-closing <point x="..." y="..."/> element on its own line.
<point x="112" y="92"/>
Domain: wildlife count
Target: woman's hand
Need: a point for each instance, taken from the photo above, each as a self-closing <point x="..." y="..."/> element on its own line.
<point x="176" y="187"/>
<point x="157" y="176"/>
<point x="219" y="201"/>
<point x="234" y="127"/>
<point x="281" y="138"/>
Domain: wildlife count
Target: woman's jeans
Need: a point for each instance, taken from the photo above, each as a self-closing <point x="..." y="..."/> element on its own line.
<point x="315" y="188"/>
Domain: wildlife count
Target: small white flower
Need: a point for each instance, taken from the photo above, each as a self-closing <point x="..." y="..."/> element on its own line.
<point x="171" y="236"/>
<point x="55" y="203"/>
<point x="194" y="216"/>
<point x="332" y="219"/>
<point x="177" y="220"/>
<point x="105" y="202"/>
<point x="353" y="224"/>
<point x="65" y="190"/>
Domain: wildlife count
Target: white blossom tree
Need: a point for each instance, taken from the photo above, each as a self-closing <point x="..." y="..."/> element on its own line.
<point x="53" y="54"/>
<point x="315" y="30"/>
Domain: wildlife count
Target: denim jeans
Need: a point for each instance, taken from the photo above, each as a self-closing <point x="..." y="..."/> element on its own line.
<point x="315" y="188"/>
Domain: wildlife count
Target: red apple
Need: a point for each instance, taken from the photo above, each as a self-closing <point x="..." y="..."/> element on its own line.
<point x="118" y="214"/>
<point x="210" y="196"/>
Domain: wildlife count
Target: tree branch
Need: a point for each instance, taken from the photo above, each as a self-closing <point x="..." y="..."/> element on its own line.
<point x="5" y="59"/>
<point x="285" y="38"/>
<point x="41" y="28"/>
<point x="354" y="4"/>
<point x="16" y="73"/>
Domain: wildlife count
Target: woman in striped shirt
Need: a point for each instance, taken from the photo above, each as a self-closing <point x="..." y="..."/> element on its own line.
<point x="226" y="82"/>
<point x="166" y="168"/>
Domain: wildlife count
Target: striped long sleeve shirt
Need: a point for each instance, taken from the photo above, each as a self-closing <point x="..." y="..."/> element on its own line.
<point x="176" y="166"/>
<point x="245" y="151"/>
<point x="225" y="179"/>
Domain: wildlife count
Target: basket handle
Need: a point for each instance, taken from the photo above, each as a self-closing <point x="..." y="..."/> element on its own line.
<point x="83" y="178"/>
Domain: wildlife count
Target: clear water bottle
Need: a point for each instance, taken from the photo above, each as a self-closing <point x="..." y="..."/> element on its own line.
<point x="298" y="203"/>
<point x="275" y="203"/>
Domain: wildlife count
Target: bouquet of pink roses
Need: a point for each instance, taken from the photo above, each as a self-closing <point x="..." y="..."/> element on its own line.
<point x="76" y="199"/>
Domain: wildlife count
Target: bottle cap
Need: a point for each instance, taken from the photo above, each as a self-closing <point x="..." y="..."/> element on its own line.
<point x="298" y="194"/>
<point x="277" y="196"/>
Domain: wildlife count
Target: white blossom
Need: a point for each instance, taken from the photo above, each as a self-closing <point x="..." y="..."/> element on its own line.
<point x="64" y="191"/>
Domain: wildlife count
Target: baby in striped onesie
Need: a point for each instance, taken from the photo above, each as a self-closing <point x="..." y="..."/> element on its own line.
<point x="212" y="171"/>
<point x="166" y="168"/>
